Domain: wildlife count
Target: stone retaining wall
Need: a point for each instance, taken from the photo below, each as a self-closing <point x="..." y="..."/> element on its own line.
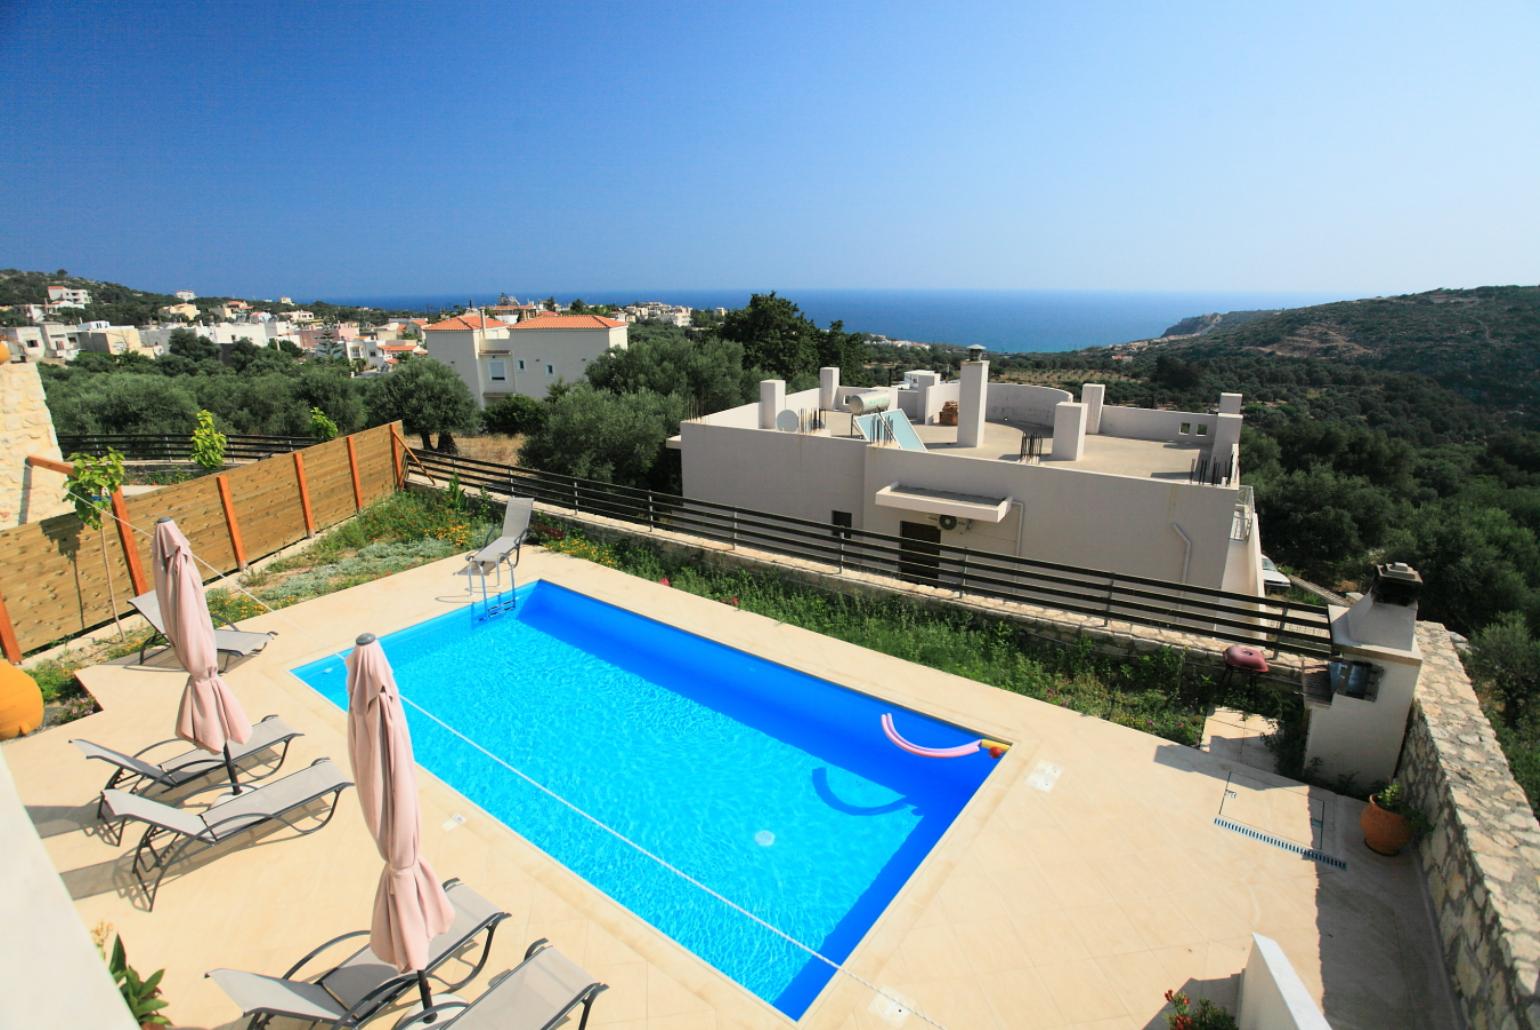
<point x="27" y="494"/>
<point x="1481" y="859"/>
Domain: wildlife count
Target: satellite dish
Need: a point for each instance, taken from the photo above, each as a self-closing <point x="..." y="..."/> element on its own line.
<point x="788" y="421"/>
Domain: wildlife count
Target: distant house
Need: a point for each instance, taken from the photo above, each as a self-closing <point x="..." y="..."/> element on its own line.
<point x="50" y="341"/>
<point x="183" y="310"/>
<point x="301" y="316"/>
<point x="495" y="359"/>
<point x="68" y="297"/>
<point x="185" y="295"/>
<point x="111" y="339"/>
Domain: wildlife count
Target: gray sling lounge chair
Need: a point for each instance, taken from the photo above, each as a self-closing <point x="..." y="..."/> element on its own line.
<point x="138" y="775"/>
<point x="537" y="994"/>
<point x="279" y="801"/>
<point x="353" y="991"/>
<point x="506" y="548"/>
<point x="231" y="641"/>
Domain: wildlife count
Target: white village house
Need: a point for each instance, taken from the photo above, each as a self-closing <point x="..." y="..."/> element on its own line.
<point x="1027" y="471"/>
<point x="495" y="358"/>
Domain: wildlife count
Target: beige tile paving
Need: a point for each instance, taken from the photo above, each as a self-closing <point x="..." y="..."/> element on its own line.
<point x="1075" y="906"/>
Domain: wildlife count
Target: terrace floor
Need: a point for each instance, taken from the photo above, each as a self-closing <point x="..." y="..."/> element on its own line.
<point x="1086" y="877"/>
<point x="1146" y="459"/>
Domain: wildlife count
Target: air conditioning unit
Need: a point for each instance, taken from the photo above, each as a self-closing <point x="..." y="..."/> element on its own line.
<point x="952" y="522"/>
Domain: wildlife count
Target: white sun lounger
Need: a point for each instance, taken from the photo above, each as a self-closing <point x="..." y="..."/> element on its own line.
<point x="231" y="641"/>
<point x="138" y="774"/>
<point x="349" y="993"/>
<point x="278" y="801"/>
<point x="537" y="994"/>
<point x="505" y="549"/>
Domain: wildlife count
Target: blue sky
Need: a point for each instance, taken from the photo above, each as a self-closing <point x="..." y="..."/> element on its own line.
<point x="270" y="148"/>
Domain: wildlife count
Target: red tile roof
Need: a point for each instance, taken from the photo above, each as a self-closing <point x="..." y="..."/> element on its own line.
<point x="554" y="321"/>
<point x="461" y="323"/>
<point x="398" y="346"/>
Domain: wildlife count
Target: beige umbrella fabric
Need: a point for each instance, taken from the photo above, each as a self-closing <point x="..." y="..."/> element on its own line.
<point x="209" y="715"/>
<point x="410" y="907"/>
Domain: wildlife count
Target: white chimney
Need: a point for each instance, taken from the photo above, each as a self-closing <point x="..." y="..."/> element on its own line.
<point x="828" y="386"/>
<point x="1092" y="395"/>
<point x="1229" y="404"/>
<point x="1068" y="431"/>
<point x="772" y="399"/>
<point x="970" y="403"/>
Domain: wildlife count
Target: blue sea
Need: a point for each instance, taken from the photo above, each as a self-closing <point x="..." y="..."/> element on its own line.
<point x="1002" y="320"/>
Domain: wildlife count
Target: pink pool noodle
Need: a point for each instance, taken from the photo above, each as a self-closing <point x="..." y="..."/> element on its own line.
<point x="960" y="751"/>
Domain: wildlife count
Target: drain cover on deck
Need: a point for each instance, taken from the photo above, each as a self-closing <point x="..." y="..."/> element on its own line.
<point x="890" y="1007"/>
<point x="1286" y="817"/>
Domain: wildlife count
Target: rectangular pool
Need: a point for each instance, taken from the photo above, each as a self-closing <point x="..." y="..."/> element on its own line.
<point x="775" y="789"/>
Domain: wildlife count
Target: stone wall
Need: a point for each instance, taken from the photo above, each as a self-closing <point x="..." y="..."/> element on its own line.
<point x="27" y="494"/>
<point x="1481" y="859"/>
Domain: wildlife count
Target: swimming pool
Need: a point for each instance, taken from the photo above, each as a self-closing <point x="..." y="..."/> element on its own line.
<point x="773" y="788"/>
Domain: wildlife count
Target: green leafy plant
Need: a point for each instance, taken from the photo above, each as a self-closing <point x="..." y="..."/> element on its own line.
<point x="1206" y="1016"/>
<point x="321" y="425"/>
<point x="1392" y="798"/>
<point x="208" y="443"/>
<point x="89" y="488"/>
<point x="91" y="485"/>
<point x="141" y="994"/>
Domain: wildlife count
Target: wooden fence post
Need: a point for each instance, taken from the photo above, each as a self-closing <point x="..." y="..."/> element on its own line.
<point x="126" y="538"/>
<point x="235" y="529"/>
<point x="8" y="642"/>
<point x="396" y="461"/>
<point x="304" y="493"/>
<point x="358" y="490"/>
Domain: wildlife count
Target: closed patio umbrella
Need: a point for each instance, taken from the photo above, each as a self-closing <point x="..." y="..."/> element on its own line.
<point x="410" y="908"/>
<point x="209" y="715"/>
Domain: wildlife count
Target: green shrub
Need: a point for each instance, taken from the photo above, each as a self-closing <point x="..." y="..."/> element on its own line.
<point x="321" y="425"/>
<point x="513" y="415"/>
<point x="208" y="443"/>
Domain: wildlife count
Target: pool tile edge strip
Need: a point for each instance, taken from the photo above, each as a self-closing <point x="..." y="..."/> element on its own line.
<point x="1278" y="842"/>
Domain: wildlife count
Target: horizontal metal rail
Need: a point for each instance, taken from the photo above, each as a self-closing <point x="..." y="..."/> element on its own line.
<point x="1302" y="629"/>
<point x="173" y="447"/>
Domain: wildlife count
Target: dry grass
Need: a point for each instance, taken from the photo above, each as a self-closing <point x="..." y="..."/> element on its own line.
<point x="493" y="447"/>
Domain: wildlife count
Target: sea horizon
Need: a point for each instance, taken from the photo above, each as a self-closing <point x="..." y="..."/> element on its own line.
<point x="1008" y="321"/>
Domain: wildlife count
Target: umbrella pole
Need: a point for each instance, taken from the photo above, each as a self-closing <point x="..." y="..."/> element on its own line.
<point x="427" y="995"/>
<point x="230" y="768"/>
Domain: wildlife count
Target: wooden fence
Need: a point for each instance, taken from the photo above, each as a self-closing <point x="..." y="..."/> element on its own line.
<point x="52" y="581"/>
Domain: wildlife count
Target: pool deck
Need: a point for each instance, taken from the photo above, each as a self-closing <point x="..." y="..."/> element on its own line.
<point x="1086" y="877"/>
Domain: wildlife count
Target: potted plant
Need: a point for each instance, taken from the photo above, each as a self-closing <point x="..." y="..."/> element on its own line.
<point x="1203" y="1016"/>
<point x="1389" y="820"/>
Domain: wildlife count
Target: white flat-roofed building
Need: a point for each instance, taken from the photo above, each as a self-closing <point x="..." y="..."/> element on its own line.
<point x="185" y="295"/>
<point x="1003" y="467"/>
<point x="112" y="339"/>
<point x="68" y="297"/>
<point x="495" y="358"/>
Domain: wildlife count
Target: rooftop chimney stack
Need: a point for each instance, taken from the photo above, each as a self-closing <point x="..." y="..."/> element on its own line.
<point x="772" y="398"/>
<point x="1387" y="614"/>
<point x="970" y="401"/>
<point x="828" y="387"/>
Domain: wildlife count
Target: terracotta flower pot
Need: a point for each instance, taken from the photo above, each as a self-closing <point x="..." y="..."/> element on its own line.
<point x="21" y="703"/>
<point x="1385" y="832"/>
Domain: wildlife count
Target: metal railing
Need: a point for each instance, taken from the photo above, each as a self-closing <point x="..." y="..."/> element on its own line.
<point x="1301" y="629"/>
<point x="175" y="447"/>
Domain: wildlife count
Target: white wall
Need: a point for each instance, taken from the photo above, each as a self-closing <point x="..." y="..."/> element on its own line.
<point x="805" y="475"/>
<point x="553" y="355"/>
<point x="1272" y="996"/>
<point x="458" y="351"/>
<point x="1118" y="523"/>
<point x="55" y="977"/>
<point x="1152" y="424"/>
<point x="1020" y="402"/>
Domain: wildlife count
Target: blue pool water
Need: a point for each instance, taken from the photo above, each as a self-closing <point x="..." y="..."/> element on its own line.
<point x="776" y="789"/>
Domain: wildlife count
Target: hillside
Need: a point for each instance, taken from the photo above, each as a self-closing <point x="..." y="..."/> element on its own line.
<point x="1483" y="344"/>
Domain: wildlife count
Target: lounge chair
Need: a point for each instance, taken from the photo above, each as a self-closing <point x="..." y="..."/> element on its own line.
<point x="138" y="774"/>
<point x="357" y="988"/>
<point x="231" y="641"/>
<point x="537" y="994"/>
<point x="279" y="801"/>
<point x="505" y="550"/>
